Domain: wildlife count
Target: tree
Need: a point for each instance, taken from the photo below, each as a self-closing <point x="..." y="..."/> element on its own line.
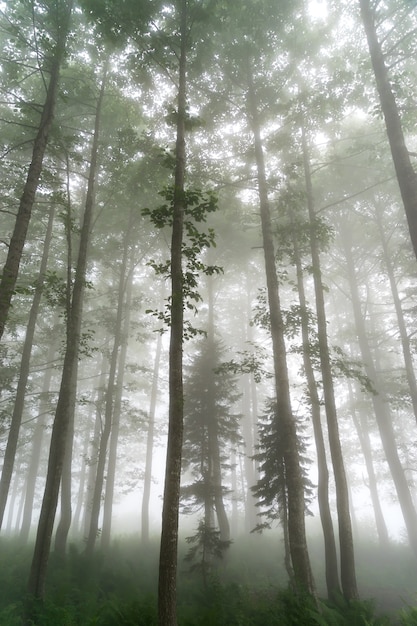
<point x="58" y="15"/>
<point x="405" y="172"/>
<point x="347" y="559"/>
<point x="381" y="406"/>
<point x="66" y="400"/>
<point x="12" y="440"/>
<point x="293" y="473"/>
<point x="211" y="429"/>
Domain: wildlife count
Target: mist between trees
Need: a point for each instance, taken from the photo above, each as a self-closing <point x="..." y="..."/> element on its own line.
<point x="208" y="310"/>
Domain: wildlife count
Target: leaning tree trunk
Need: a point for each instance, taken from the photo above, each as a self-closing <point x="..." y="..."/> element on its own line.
<point x="347" y="558"/>
<point x="167" y="591"/>
<point x="12" y="440"/>
<point x="294" y="478"/>
<point x="406" y="175"/>
<point x="17" y="242"/>
<point x="67" y="391"/>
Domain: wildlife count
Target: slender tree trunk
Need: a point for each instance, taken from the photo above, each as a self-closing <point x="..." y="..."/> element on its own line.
<point x="37" y="440"/>
<point x="347" y="558"/>
<point x="249" y="463"/>
<point x="65" y="519"/>
<point x="294" y="478"/>
<point x="83" y="474"/>
<point x="67" y="390"/>
<point x="109" y="405"/>
<point x="150" y="443"/>
<point x="66" y="478"/>
<point x="381" y="406"/>
<point x="95" y="443"/>
<point x="406" y="175"/>
<point x="17" y="242"/>
<point x="234" y="518"/>
<point x="402" y="328"/>
<point x="250" y="427"/>
<point x="117" y="408"/>
<point x="213" y="429"/>
<point x="362" y="429"/>
<point x="10" y="452"/>
<point x="167" y="592"/>
<point x="330" y="552"/>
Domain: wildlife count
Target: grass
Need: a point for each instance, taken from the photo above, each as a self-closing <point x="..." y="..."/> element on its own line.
<point x="248" y="589"/>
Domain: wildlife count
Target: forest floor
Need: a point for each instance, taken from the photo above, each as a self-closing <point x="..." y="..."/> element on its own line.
<point x="247" y="588"/>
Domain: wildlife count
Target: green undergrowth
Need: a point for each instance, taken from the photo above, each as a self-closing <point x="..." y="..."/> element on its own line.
<point x="248" y="589"/>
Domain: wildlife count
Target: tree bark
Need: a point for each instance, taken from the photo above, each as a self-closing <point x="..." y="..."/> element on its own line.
<point x="294" y="478"/>
<point x="406" y="175"/>
<point x="167" y="591"/>
<point x="67" y="390"/>
<point x="17" y="242"/>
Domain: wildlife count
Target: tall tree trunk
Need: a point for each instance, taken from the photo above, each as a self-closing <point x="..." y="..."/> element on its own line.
<point x="150" y="443"/>
<point x="213" y="429"/>
<point x="381" y="406"/>
<point x="15" y="491"/>
<point x="10" y="452"/>
<point x="109" y="404"/>
<point x="402" y="328"/>
<point x="67" y="390"/>
<point x="330" y="552"/>
<point x="249" y="463"/>
<point x="406" y="175"/>
<point x="37" y="440"/>
<point x="234" y="518"/>
<point x="65" y="519"/>
<point x="17" y="242"/>
<point x="117" y="408"/>
<point x="83" y="473"/>
<point x="362" y="429"/>
<point x="347" y="558"/>
<point x="294" y="477"/>
<point x="95" y="443"/>
<point x="66" y="478"/>
<point x="250" y="426"/>
<point x="167" y="591"/>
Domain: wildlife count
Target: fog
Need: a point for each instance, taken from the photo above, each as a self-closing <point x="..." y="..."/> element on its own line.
<point x="208" y="399"/>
